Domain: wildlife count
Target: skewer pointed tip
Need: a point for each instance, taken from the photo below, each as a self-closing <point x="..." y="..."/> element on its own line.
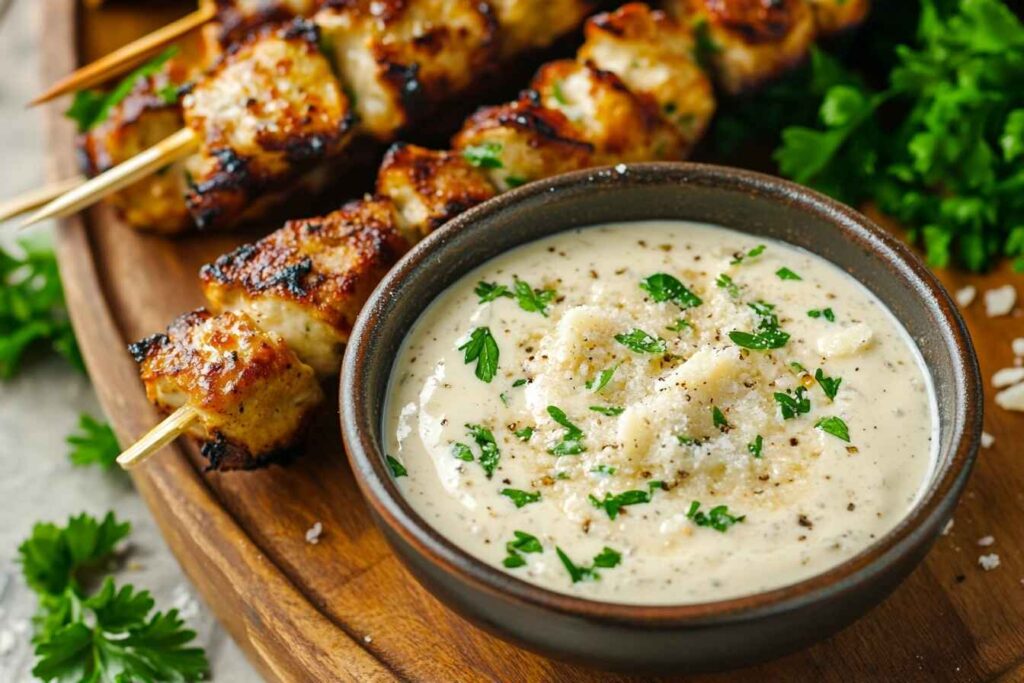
<point x="170" y="428"/>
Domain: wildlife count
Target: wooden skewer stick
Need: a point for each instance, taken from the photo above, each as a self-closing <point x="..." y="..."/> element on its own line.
<point x="127" y="57"/>
<point x="152" y="441"/>
<point x="167" y="151"/>
<point x="15" y="206"/>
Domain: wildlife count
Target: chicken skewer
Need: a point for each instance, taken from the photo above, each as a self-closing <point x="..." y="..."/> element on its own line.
<point x="272" y="109"/>
<point x="244" y="378"/>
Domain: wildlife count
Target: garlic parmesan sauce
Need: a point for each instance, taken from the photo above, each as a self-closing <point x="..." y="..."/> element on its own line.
<point x="660" y="413"/>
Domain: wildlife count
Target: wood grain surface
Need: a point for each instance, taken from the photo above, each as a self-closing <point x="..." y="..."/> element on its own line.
<point x="345" y="609"/>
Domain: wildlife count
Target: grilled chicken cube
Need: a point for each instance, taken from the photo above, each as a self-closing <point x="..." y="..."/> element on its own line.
<point x="621" y="126"/>
<point x="399" y="58"/>
<point x="252" y="395"/>
<point x="429" y="188"/>
<point x="307" y="281"/>
<point x="522" y="141"/>
<point x="238" y="18"/>
<point x="749" y="42"/>
<point x="533" y="24"/>
<point x="269" y="111"/>
<point x="836" y="16"/>
<point x="654" y="56"/>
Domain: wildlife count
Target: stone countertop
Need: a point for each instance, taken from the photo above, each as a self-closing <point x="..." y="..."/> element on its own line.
<point x="40" y="407"/>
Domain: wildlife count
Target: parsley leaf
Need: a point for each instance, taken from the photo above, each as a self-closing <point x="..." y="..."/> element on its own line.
<point x="572" y="440"/>
<point x="489" y="291"/>
<point x="612" y="504"/>
<point x="522" y="543"/>
<point x="718" y="419"/>
<point x="94" y="444"/>
<point x="489" y="455"/>
<point x="482" y="348"/>
<point x="725" y="282"/>
<point x="791" y="404"/>
<point x="533" y="300"/>
<point x="787" y="274"/>
<point x="462" y="452"/>
<point x="603" y="469"/>
<point x="834" y="426"/>
<point x="521" y="498"/>
<point x="663" y="287"/>
<point x="524" y="434"/>
<point x="641" y="342"/>
<point x="830" y="385"/>
<point x="825" y="313"/>
<point x="90" y="107"/>
<point x="767" y="334"/>
<point x="756" y="446"/>
<point x="606" y="559"/>
<point x="601" y="381"/>
<point x="718" y="518"/>
<point x="610" y="411"/>
<point x="487" y="155"/>
<point x="397" y="468"/>
<point x="32" y="311"/>
<point x="753" y="253"/>
<point x="679" y="325"/>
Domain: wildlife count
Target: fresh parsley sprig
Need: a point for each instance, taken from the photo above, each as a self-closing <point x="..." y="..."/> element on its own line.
<point x="718" y="518"/>
<point x="608" y="558"/>
<point x="572" y="439"/>
<point x="483" y="349"/>
<point x="93" y="444"/>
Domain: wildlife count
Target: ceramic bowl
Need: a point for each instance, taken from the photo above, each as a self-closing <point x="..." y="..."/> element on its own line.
<point x="693" y="637"/>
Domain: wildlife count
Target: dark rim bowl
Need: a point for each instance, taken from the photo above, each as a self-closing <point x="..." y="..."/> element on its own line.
<point x="692" y="637"/>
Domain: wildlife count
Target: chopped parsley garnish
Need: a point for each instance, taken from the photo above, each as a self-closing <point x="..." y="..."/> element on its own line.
<point x="610" y="411"/>
<point x="718" y="419"/>
<point x="825" y="313"/>
<point x="520" y="382"/>
<point x="489" y="455"/>
<point x="524" y="434"/>
<point x="767" y="334"/>
<point x="753" y="253"/>
<point x="787" y="274"/>
<point x="834" y="426"/>
<point x="793" y="404"/>
<point x="533" y="300"/>
<point x="515" y="180"/>
<point x="601" y="381"/>
<point x="756" y="446"/>
<point x="663" y="287"/>
<point x="521" y="498"/>
<point x="603" y="469"/>
<point x="504" y="398"/>
<point x="462" y="452"/>
<point x="487" y="155"/>
<point x="830" y="385"/>
<point x="522" y="543"/>
<point x="92" y="107"/>
<point x="725" y="282"/>
<point x="606" y="559"/>
<point x="572" y="440"/>
<point x="94" y="444"/>
<point x="641" y="342"/>
<point x="718" y="518"/>
<point x="556" y="92"/>
<point x="482" y="348"/>
<point x="398" y="469"/>
<point x="612" y="504"/>
<point x="685" y="440"/>
<point x="679" y="325"/>
<point x="797" y="367"/>
<point x="489" y="291"/>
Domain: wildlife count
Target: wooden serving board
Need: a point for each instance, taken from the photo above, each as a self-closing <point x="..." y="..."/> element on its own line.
<point x="345" y="609"/>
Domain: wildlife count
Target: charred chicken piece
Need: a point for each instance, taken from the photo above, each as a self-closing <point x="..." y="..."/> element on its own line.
<point x="429" y="187"/>
<point x="239" y="18"/>
<point x="251" y="393"/>
<point x="653" y="55"/>
<point x="268" y="112"/>
<point x="836" y="16"/>
<point x="307" y="281"/>
<point x="748" y="42"/>
<point x="534" y="24"/>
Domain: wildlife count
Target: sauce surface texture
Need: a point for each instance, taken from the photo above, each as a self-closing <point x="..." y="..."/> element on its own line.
<point x="660" y="413"/>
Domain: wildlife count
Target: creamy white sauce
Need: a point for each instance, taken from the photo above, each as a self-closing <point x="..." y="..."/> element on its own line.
<point x="810" y="501"/>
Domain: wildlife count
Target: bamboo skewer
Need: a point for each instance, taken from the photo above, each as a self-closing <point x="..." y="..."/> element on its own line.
<point x="15" y="206"/>
<point x="169" y="429"/>
<point x="128" y="56"/>
<point x="167" y="151"/>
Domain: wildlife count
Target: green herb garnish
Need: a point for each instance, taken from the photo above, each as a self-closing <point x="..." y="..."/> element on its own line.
<point x="489" y="291"/>
<point x="834" y="426"/>
<point x="572" y="440"/>
<point x="766" y="335"/>
<point x="679" y="325"/>
<point x="641" y="342"/>
<point x="522" y="543"/>
<point x="533" y="300"/>
<point x="524" y="434"/>
<point x="756" y="446"/>
<point x="663" y="287"/>
<point x="725" y="282"/>
<point x="606" y="559"/>
<point x="718" y="419"/>
<point x="787" y="274"/>
<point x="793" y="404"/>
<point x="610" y="411"/>
<point x="397" y="468"/>
<point x="603" y="469"/>
<point x="520" y="497"/>
<point x="718" y="518"/>
<point x="825" y="313"/>
<point x="489" y="455"/>
<point x="462" y="452"/>
<point x="487" y="155"/>
<point x="753" y="253"/>
<point x="482" y="348"/>
<point x="94" y="444"/>
<point x="830" y="385"/>
<point x="601" y="381"/>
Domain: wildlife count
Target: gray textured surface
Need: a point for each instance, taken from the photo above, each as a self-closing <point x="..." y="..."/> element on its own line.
<point x="41" y="406"/>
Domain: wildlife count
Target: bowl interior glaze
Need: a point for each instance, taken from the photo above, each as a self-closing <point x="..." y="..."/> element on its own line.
<point x="751" y="202"/>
